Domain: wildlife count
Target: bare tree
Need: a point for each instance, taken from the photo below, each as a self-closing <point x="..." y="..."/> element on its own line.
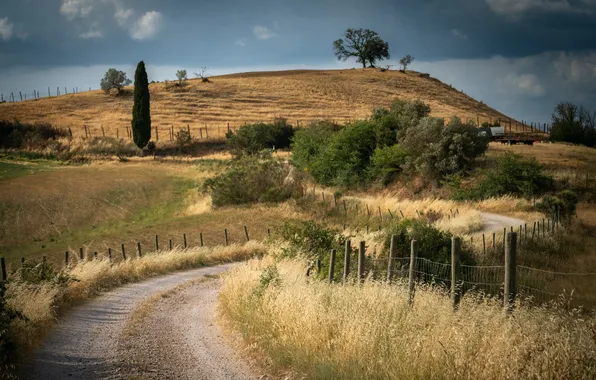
<point x="202" y="74"/>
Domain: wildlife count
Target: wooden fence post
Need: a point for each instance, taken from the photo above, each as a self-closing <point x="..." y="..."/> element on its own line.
<point x="110" y="254"/>
<point x="533" y="231"/>
<point x="510" y="290"/>
<point x="95" y="255"/>
<point x="494" y="240"/>
<point x="81" y="254"/>
<point x="226" y="235"/>
<point x="361" y="253"/>
<point x="413" y="256"/>
<point x="201" y="239"/>
<point x="66" y="258"/>
<point x="268" y="232"/>
<point x="123" y="253"/>
<point x="170" y="244"/>
<point x="332" y="266"/>
<point x="156" y="134"/>
<point x="3" y="269"/>
<point x="483" y="244"/>
<point x="246" y="233"/>
<point x="185" y="245"/>
<point x="156" y="243"/>
<point x="347" y="255"/>
<point x="392" y="256"/>
<point x="456" y="287"/>
<point x="139" y="249"/>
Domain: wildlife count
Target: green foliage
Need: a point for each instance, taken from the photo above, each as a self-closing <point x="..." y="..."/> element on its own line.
<point x="181" y="76"/>
<point x="573" y="124"/>
<point x="363" y="44"/>
<point x="386" y="163"/>
<point x="435" y="151"/>
<point x="43" y="272"/>
<point x="561" y="205"/>
<point x="308" y="143"/>
<point x="141" y="115"/>
<point x="269" y="277"/>
<point x="16" y="135"/>
<point x="433" y="244"/>
<point x="114" y="79"/>
<point x="345" y="159"/>
<point x="183" y="139"/>
<point x="512" y="175"/>
<point x="254" y="180"/>
<point x="406" y="61"/>
<point x="253" y="138"/>
<point x="306" y="237"/>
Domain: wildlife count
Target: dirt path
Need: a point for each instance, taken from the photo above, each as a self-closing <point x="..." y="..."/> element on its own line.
<point x="494" y="222"/>
<point x="177" y="337"/>
<point x="85" y="343"/>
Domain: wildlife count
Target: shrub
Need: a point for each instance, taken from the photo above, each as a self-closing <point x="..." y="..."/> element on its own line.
<point x="183" y="138"/>
<point x="435" y="152"/>
<point x="181" y="76"/>
<point x="309" y="142"/>
<point x="386" y="163"/>
<point x="253" y="138"/>
<point x="16" y="135"/>
<point x="433" y="244"/>
<point x="512" y="175"/>
<point x="345" y="160"/>
<point x="253" y="180"/>
<point x="562" y="205"/>
<point x="109" y="145"/>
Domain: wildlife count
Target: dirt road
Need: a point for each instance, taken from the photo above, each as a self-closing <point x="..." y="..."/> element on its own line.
<point x="494" y="222"/>
<point x="85" y="343"/>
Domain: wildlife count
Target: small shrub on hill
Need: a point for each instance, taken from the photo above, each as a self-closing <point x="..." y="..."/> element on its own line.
<point x="561" y="205"/>
<point x="512" y="175"/>
<point x="254" y="180"/>
<point x="183" y="139"/>
<point x="253" y="138"/>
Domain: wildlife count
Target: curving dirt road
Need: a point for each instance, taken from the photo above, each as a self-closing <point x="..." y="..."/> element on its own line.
<point x="494" y="222"/>
<point x="85" y="343"/>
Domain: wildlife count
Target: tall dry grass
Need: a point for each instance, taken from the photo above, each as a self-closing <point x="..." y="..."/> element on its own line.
<point x="324" y="331"/>
<point x="40" y="303"/>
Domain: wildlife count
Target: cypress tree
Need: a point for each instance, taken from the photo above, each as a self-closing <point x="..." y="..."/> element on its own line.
<point x="141" y="118"/>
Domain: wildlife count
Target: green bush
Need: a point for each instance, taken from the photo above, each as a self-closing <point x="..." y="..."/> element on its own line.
<point x="561" y="205"/>
<point x="512" y="175"/>
<point x="308" y="143"/>
<point x="345" y="159"/>
<point x="435" y="151"/>
<point x="253" y="138"/>
<point x="386" y="163"/>
<point x="254" y="180"/>
<point x="433" y="244"/>
<point x="183" y="139"/>
<point x="16" y="135"/>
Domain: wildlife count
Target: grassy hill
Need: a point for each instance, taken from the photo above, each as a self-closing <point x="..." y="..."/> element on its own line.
<point x="304" y="95"/>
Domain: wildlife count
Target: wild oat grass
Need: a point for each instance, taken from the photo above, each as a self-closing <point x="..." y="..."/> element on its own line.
<point x="39" y="303"/>
<point x="338" y="331"/>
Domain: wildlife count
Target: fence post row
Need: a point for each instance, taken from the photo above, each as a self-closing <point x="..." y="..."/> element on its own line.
<point x="456" y="287"/>
<point x="510" y="290"/>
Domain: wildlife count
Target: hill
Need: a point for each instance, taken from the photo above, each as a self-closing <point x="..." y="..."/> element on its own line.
<point x="304" y="95"/>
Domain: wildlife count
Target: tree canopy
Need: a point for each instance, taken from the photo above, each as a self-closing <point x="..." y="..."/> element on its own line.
<point x="114" y="79"/>
<point x="363" y="44"/>
<point x="141" y="116"/>
<point x="573" y="124"/>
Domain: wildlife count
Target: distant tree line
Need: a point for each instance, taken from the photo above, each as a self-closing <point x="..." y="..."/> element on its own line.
<point x="573" y="124"/>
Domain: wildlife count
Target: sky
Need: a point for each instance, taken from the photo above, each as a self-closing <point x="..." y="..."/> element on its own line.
<point x="521" y="57"/>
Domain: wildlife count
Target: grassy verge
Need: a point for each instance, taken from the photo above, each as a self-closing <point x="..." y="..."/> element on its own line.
<point x="39" y="302"/>
<point x="324" y="331"/>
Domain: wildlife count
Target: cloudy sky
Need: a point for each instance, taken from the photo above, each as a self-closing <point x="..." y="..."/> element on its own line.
<point x="519" y="56"/>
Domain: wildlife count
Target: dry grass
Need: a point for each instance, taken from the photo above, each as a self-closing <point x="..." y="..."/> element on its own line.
<point x="557" y="156"/>
<point x="339" y="331"/>
<point x="251" y="97"/>
<point x="38" y="303"/>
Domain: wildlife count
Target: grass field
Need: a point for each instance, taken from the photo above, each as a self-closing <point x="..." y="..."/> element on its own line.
<point x="305" y="95"/>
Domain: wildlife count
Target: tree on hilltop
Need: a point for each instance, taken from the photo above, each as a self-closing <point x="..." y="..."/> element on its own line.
<point x="114" y="79"/>
<point x="141" y="117"/>
<point x="182" y="76"/>
<point x="363" y="44"/>
<point x="406" y="61"/>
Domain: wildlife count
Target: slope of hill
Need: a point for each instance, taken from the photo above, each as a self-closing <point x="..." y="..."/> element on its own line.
<point x="303" y="95"/>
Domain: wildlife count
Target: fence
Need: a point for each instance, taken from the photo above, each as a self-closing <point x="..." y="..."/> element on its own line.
<point x="508" y="281"/>
<point x="21" y="96"/>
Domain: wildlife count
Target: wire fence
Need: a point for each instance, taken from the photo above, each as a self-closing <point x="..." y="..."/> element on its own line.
<point x="21" y="96"/>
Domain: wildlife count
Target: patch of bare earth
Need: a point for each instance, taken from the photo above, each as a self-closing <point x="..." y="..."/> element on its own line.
<point x="175" y="336"/>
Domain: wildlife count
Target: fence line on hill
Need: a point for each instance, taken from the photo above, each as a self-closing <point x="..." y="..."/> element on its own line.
<point x="20" y="96"/>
